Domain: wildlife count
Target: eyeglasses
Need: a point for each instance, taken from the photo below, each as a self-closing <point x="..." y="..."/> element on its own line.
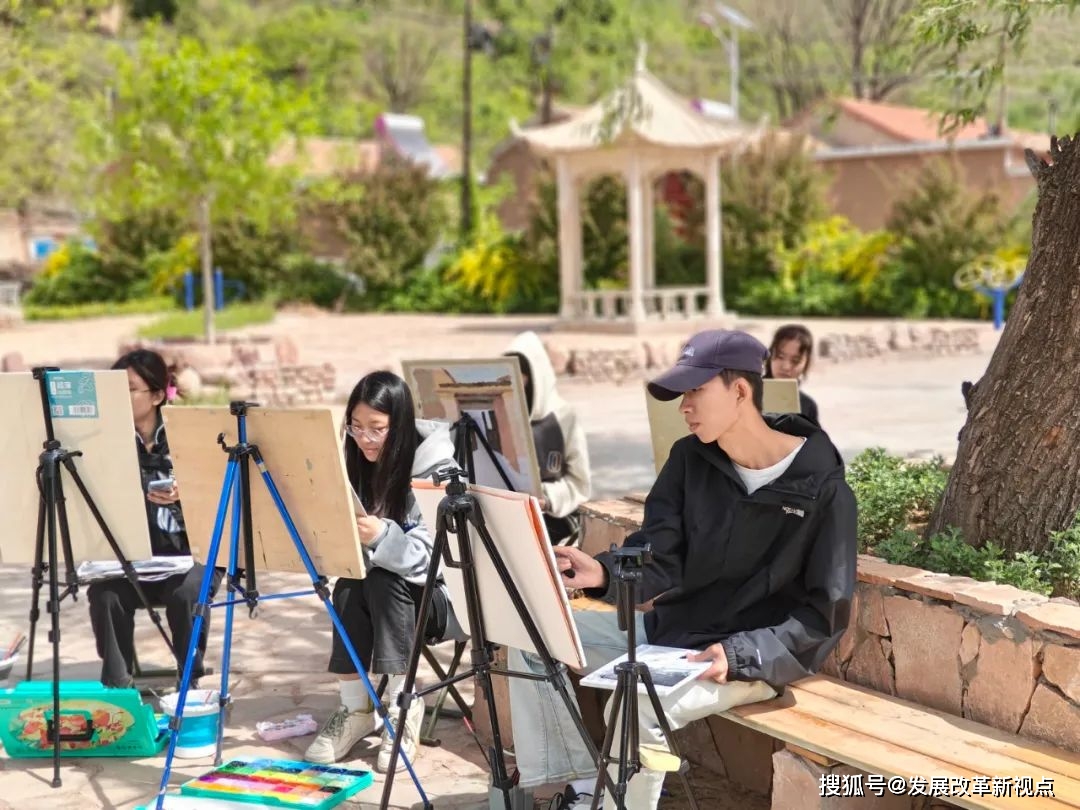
<point x="375" y="436"/>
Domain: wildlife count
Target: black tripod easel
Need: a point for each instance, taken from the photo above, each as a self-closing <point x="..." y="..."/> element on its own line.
<point x="458" y="511"/>
<point x="236" y="493"/>
<point x="467" y="434"/>
<point x="53" y="521"/>
<point x="624" y="703"/>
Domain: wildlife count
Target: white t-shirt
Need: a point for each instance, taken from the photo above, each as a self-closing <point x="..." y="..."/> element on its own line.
<point x="756" y="479"/>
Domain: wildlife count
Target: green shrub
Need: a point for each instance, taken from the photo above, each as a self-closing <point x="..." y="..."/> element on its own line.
<point x="71" y="275"/>
<point x="389" y="220"/>
<point x="430" y="290"/>
<point x="893" y="496"/>
<point x="892" y="493"/>
<point x="310" y="281"/>
<point x="71" y="312"/>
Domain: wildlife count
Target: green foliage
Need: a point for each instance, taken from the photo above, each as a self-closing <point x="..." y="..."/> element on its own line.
<point x="431" y="290"/>
<point x="310" y="281"/>
<point x="835" y="270"/>
<point x="496" y="269"/>
<point x="892" y="493"/>
<point x="189" y="325"/>
<point x="390" y="219"/>
<point x="894" y="496"/>
<point x="71" y="275"/>
<point x="77" y="312"/>
<point x="942" y="226"/>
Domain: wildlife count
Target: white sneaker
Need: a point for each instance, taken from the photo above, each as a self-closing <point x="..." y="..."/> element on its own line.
<point x="408" y="738"/>
<point x="342" y="731"/>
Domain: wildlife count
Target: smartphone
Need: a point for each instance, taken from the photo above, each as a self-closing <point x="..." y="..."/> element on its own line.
<point x="162" y="485"/>
<point x="358" y="507"/>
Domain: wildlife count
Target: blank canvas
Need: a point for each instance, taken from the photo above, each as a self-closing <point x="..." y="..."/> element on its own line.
<point x="109" y="467"/>
<point x="517" y="531"/>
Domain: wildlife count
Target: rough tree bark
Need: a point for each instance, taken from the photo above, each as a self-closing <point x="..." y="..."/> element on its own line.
<point x="1017" y="471"/>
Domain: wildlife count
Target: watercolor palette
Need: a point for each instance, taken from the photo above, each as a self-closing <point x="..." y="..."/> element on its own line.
<point x="279" y="783"/>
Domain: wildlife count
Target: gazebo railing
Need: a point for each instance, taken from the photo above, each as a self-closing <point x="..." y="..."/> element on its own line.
<point x="660" y="303"/>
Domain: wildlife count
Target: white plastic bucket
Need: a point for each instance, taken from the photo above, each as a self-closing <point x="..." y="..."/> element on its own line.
<point x="199" y="726"/>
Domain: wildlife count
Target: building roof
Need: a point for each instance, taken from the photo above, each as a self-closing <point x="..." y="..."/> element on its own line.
<point x="644" y="110"/>
<point x="908" y="124"/>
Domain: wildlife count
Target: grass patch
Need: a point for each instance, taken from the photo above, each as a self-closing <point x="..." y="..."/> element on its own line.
<point x="179" y="325"/>
<point x="97" y="309"/>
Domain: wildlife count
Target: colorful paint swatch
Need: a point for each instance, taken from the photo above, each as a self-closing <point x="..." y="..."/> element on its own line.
<point x="279" y="783"/>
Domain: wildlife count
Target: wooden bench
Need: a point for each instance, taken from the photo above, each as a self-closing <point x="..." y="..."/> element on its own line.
<point x="839" y="722"/>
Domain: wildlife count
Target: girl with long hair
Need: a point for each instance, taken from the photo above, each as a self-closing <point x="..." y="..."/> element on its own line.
<point x="385" y="447"/>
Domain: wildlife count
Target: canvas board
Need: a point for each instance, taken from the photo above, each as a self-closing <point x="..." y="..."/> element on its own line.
<point x="302" y="452"/>
<point x="93" y="415"/>
<point x="519" y="535"/>
<point x="493" y="393"/>
<point x="667" y="426"/>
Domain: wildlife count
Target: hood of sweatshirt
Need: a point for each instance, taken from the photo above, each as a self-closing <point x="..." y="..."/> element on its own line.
<point x="540" y="371"/>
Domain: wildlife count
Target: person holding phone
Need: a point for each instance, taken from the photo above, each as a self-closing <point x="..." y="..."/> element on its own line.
<point x="113" y="601"/>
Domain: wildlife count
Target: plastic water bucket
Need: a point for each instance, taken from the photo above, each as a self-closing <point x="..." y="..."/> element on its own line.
<point x="198" y="728"/>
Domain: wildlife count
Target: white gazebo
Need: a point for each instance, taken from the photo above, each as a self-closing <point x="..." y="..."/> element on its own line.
<point x="641" y="131"/>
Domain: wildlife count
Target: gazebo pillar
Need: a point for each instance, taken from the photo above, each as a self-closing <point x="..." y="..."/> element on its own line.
<point x="635" y="206"/>
<point x="650" y="233"/>
<point x="713" y="240"/>
<point x="570" y="270"/>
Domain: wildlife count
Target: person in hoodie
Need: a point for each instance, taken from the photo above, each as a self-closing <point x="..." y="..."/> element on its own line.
<point x="385" y="448"/>
<point x="559" y="439"/>
<point x="752" y="530"/>
<point x="113" y="602"/>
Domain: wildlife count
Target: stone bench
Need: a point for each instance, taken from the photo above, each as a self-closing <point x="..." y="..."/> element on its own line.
<point x="954" y="677"/>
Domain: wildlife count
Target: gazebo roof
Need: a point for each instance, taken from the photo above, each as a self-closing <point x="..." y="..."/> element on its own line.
<point x="643" y="111"/>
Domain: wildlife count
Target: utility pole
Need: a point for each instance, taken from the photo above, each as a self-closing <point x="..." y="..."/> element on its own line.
<point x="466" y="127"/>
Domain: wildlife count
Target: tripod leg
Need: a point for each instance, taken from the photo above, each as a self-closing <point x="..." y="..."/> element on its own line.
<point x="319" y="583"/>
<point x="407" y="695"/>
<point x="37" y="576"/>
<point x="71" y="584"/>
<point x="617" y="700"/>
<point x="665" y="729"/>
<point x="224" y="698"/>
<point x="125" y="563"/>
<point x="202" y="609"/>
<point x="50" y="477"/>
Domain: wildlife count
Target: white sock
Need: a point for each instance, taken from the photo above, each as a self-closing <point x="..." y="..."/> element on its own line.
<point x="354" y="696"/>
<point x="394" y="687"/>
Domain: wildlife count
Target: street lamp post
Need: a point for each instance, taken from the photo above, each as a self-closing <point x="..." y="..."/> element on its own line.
<point x="735" y="21"/>
<point x="466" y="127"/>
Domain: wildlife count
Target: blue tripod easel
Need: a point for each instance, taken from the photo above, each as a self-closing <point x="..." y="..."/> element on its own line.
<point x="237" y="487"/>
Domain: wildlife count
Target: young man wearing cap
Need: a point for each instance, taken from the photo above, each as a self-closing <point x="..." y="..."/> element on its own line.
<point x="752" y="531"/>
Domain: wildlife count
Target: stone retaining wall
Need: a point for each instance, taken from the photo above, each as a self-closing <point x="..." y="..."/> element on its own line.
<point x="641" y="357"/>
<point x="993" y="653"/>
<point x="259" y="369"/>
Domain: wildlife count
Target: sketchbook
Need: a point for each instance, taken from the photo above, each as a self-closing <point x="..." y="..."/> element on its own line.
<point x="667" y="665"/>
<point x="517" y="529"/>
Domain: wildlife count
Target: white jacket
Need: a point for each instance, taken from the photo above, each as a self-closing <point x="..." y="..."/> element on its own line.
<point x="569" y="492"/>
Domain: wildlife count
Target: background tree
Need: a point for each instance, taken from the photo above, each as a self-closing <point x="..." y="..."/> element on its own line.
<point x="1017" y="471"/>
<point x="192" y="131"/>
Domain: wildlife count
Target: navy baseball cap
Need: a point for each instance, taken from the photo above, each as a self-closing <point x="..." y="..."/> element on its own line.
<point x="704" y="356"/>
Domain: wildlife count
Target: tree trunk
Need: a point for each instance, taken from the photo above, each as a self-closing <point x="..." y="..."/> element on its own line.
<point x="1017" y="471"/>
<point x="206" y="251"/>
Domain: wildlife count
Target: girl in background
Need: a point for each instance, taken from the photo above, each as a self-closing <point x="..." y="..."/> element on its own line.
<point x="790" y="354"/>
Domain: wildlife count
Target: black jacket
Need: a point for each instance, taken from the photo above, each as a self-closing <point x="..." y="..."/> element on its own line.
<point x="168" y="536"/>
<point x="771" y="575"/>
